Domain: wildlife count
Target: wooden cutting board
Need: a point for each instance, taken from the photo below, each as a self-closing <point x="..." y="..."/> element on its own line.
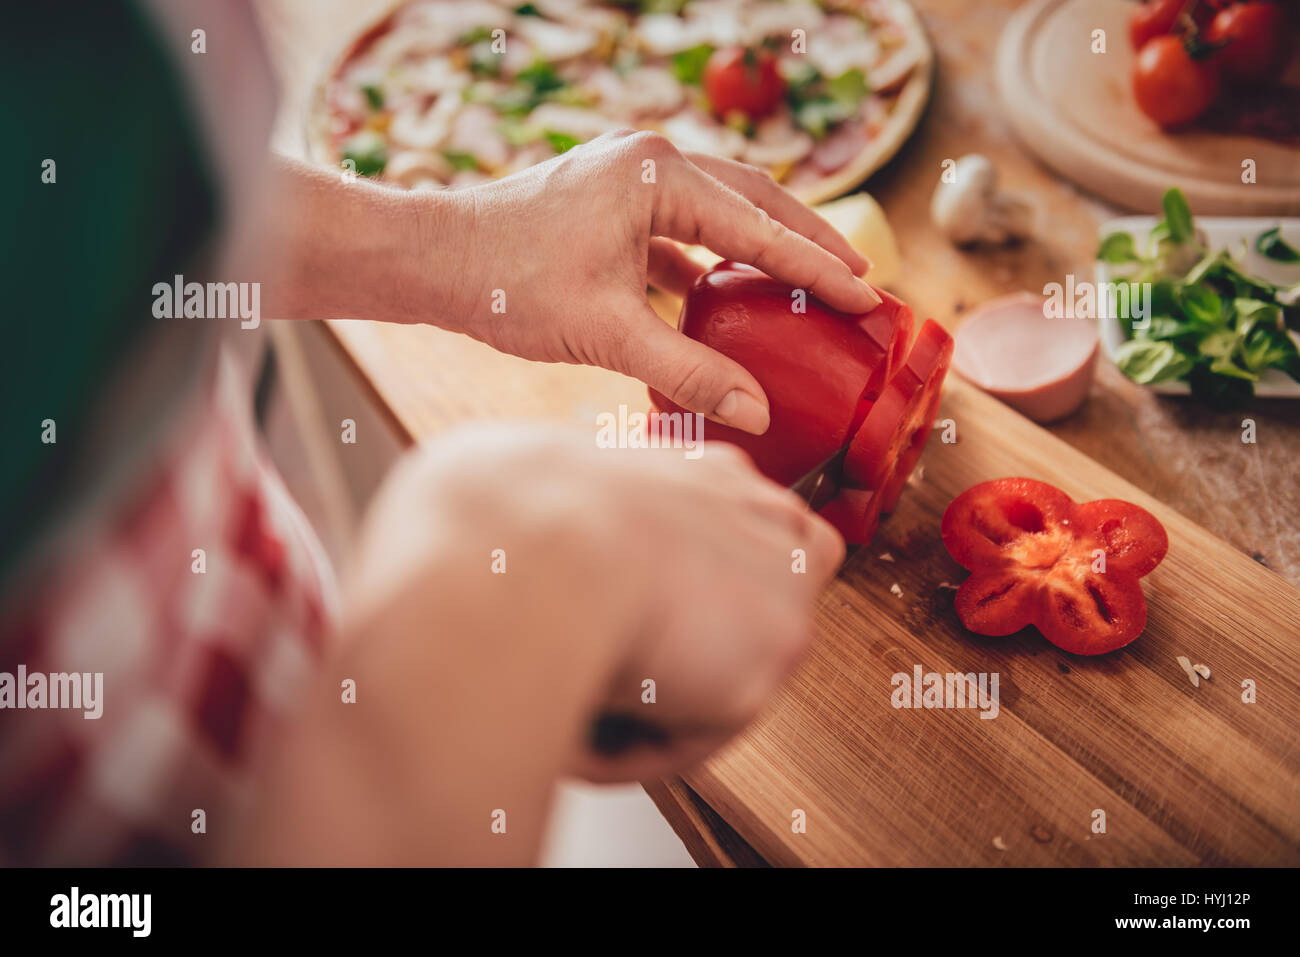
<point x="1074" y="108"/>
<point x="1184" y="775"/>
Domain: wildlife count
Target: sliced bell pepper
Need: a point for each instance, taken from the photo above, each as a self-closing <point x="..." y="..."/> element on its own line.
<point x="891" y="438"/>
<point x="820" y="369"/>
<point x="1038" y="558"/>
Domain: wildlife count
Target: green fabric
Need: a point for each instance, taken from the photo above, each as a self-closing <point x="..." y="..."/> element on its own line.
<point x="89" y="86"/>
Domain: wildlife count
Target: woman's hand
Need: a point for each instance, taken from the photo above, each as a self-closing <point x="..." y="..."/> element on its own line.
<point x="511" y="584"/>
<point x="697" y="574"/>
<point x="556" y="260"/>
<point x="552" y="263"/>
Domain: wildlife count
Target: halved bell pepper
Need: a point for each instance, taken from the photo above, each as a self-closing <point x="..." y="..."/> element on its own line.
<point x="821" y="369"/>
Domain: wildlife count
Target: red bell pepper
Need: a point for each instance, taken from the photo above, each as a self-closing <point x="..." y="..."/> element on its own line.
<point x="892" y="436"/>
<point x="1038" y="558"/>
<point x="828" y="377"/>
<point x="821" y="369"/>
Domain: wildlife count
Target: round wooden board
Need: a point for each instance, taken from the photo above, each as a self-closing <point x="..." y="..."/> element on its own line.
<point x="902" y="123"/>
<point x="1075" y="110"/>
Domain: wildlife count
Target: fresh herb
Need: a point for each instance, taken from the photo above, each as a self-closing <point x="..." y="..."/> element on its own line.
<point x="368" y="152"/>
<point x="819" y="103"/>
<point x="374" y="96"/>
<point x="528" y="10"/>
<point x="1271" y="244"/>
<point x="1210" y="323"/>
<point x="652" y="6"/>
<point x="688" y="65"/>
<point x="561" y="142"/>
<point x="1147" y="361"/>
<point x="1178" y="216"/>
<point x="1117" y="248"/>
<point x="461" y="161"/>
<point x="541" y="77"/>
<point x="533" y="85"/>
<point x="483" y="60"/>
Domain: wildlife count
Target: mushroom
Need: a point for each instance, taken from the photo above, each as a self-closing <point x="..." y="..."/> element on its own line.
<point x="971" y="210"/>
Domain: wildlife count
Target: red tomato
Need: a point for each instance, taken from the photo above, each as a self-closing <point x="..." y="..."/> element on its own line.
<point x="1170" y="86"/>
<point x="1153" y="18"/>
<point x="1038" y="558"/>
<point x="820" y="368"/>
<point x="1257" y="42"/>
<point x="744" y="80"/>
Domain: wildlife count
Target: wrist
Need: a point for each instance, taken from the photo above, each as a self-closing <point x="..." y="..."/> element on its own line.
<point x="358" y="250"/>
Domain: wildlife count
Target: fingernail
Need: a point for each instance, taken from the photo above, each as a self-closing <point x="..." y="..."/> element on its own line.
<point x="741" y="410"/>
<point x="873" y="297"/>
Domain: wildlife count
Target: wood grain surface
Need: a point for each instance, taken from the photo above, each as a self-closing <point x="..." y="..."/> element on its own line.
<point x="1074" y="107"/>
<point x="1184" y="775"/>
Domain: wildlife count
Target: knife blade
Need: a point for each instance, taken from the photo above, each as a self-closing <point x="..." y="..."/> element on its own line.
<point x="821" y="484"/>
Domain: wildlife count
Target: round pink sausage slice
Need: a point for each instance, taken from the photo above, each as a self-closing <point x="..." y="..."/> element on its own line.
<point x="1039" y="366"/>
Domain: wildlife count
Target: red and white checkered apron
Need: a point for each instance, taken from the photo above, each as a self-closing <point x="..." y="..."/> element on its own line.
<point x="200" y="668"/>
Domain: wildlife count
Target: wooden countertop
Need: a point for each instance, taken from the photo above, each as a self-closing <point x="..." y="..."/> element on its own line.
<point x="1182" y="455"/>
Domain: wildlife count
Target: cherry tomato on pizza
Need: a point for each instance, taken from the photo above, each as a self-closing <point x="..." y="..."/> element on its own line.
<point x="743" y="80"/>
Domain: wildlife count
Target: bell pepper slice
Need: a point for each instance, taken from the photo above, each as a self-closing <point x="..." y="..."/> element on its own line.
<point x="1038" y="558"/>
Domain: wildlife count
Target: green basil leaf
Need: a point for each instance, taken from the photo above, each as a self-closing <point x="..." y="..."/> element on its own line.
<point x="460" y="161"/>
<point x="1201" y="305"/>
<point x="1219" y="344"/>
<point x="816" y="116"/>
<point x="849" y="89"/>
<point x="1178" y="216"/>
<point x="374" y="96"/>
<point x="1146" y="361"/>
<point x="688" y="65"/>
<point x="541" y="77"/>
<point x="1256" y="312"/>
<point x="1117" y="248"/>
<point x="1267" y="347"/>
<point x="1211" y="266"/>
<point x="1229" y="368"/>
<point x="561" y="142"/>
<point x="1166" y="327"/>
<point x="1272" y="245"/>
<point x="368" y="151"/>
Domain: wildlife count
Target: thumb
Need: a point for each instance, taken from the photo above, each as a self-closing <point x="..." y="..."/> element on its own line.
<point x="697" y="378"/>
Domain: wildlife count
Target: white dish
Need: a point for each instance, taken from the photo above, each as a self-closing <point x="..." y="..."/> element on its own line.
<point x="1221" y="232"/>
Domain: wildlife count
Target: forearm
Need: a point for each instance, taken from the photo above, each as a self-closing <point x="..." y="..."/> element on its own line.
<point x="468" y="704"/>
<point x="336" y="249"/>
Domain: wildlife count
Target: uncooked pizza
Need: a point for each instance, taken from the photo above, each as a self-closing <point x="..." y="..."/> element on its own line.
<point x="450" y="93"/>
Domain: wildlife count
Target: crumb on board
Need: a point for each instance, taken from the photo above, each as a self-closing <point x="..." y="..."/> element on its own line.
<point x="886" y="557"/>
<point x="950" y="587"/>
<point x="1194" y="672"/>
<point x="917" y="475"/>
<point x="999" y="844"/>
<point x="895" y="590"/>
